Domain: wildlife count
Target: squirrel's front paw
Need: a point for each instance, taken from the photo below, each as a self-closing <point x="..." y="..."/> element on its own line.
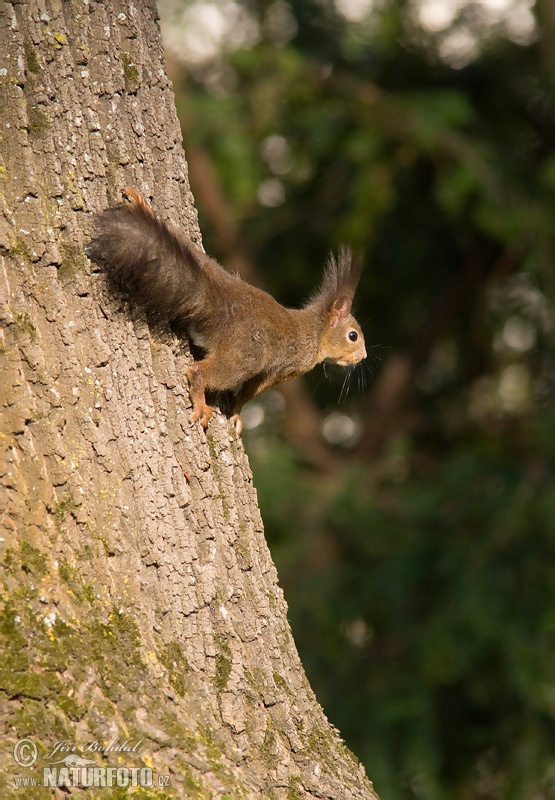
<point x="202" y="412"/>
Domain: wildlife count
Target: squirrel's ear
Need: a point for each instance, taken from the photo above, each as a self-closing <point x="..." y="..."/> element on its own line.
<point x="339" y="310"/>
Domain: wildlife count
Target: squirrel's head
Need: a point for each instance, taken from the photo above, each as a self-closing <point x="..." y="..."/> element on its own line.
<point x="342" y="340"/>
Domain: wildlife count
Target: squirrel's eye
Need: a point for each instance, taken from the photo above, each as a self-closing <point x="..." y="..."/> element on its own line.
<point x="353" y="336"/>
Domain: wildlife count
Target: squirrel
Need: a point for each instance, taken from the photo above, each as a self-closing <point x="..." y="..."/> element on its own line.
<point x="250" y="341"/>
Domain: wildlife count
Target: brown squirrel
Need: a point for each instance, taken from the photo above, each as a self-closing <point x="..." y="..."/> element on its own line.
<point x="250" y="340"/>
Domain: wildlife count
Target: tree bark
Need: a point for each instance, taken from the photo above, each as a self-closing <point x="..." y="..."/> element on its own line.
<point x="139" y="599"/>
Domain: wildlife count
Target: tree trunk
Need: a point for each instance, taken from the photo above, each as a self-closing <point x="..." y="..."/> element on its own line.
<point x="139" y="600"/>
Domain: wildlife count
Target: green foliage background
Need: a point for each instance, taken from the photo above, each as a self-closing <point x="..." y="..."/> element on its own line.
<point x="419" y="579"/>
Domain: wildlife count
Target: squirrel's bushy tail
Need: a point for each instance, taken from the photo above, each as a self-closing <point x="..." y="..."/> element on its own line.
<point x="159" y="270"/>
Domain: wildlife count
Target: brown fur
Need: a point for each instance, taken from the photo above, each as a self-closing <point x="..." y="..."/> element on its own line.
<point x="251" y="341"/>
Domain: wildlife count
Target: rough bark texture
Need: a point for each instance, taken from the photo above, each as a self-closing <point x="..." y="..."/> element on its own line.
<point x="139" y="599"/>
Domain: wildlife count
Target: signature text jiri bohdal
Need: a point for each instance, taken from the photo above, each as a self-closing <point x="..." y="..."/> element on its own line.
<point x="62" y="748"/>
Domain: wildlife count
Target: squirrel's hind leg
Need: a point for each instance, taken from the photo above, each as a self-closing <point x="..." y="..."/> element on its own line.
<point x="215" y="373"/>
<point x="197" y="383"/>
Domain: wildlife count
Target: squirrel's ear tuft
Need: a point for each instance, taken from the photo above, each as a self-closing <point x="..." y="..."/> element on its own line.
<point x="339" y="283"/>
<point x="349" y="270"/>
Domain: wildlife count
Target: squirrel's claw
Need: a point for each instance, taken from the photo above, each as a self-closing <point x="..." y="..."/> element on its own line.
<point x="238" y="424"/>
<point x="202" y="412"/>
